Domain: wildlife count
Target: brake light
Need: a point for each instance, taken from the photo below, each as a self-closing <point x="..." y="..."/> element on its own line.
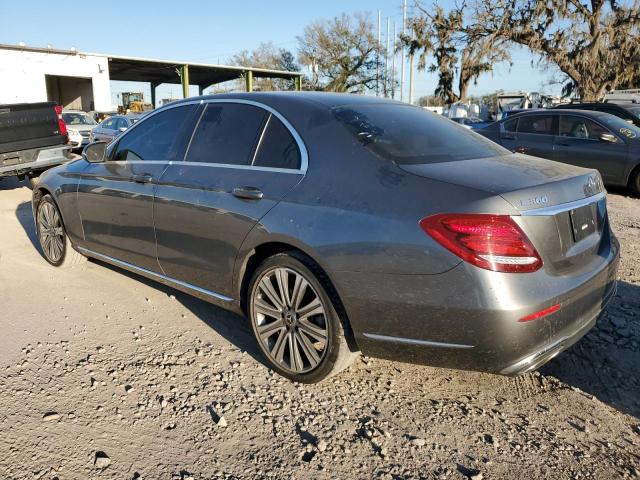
<point x="62" y="127"/>
<point x="493" y="242"/>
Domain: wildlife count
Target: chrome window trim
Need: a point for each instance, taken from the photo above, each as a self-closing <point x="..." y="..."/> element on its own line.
<point x="304" y="155"/>
<point x="153" y="275"/>
<point x="564" y="207"/>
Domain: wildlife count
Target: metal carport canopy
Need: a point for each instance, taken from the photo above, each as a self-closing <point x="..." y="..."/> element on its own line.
<point x="137" y="69"/>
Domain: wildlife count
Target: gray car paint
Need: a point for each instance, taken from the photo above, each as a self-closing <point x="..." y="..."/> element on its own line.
<point x="616" y="162"/>
<point x="356" y="215"/>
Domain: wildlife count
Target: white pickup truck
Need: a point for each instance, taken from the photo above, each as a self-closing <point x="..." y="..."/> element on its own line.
<point x="33" y="137"/>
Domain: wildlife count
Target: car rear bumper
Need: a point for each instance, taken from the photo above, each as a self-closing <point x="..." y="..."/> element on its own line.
<point x="467" y="318"/>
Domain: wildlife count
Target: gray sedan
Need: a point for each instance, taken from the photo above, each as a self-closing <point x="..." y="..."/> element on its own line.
<point x="341" y="224"/>
<point x="584" y="138"/>
<point x="112" y="127"/>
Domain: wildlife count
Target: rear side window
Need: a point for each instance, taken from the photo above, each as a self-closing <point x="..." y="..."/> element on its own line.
<point x="277" y="147"/>
<point x="411" y="135"/>
<point x="156" y="137"/>
<point x="227" y="133"/>
<point x="540" y="124"/>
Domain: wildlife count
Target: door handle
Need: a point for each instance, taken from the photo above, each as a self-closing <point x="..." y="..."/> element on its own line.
<point x="248" y="193"/>
<point x="520" y="150"/>
<point x="144" y="178"/>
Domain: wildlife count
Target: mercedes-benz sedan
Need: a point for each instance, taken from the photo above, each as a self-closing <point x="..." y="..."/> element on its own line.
<point x="341" y="224"/>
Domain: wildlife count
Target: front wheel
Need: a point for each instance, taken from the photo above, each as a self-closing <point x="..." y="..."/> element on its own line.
<point x="295" y="321"/>
<point x="54" y="241"/>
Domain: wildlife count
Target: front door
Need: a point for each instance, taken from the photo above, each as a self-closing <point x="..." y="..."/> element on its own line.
<point x="115" y="198"/>
<point x="579" y="143"/>
<point x="241" y="161"/>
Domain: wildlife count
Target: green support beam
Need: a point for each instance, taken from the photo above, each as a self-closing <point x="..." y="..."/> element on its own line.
<point x="248" y="79"/>
<point x="184" y="79"/>
<point x="298" y="83"/>
<point x="154" y="85"/>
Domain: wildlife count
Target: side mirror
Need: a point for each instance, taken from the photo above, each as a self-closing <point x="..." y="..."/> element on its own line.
<point x="122" y="129"/>
<point x="95" y="152"/>
<point x="607" y="137"/>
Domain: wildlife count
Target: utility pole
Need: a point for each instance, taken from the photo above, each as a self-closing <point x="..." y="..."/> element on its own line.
<point x="378" y="58"/>
<point x="410" y="77"/>
<point x="404" y="26"/>
<point x="393" y="60"/>
<point x="386" y="63"/>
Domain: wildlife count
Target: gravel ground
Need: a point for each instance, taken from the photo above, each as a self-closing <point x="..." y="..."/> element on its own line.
<point x="106" y="375"/>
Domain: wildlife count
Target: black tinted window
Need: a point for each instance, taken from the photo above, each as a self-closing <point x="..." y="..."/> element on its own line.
<point x="155" y="137"/>
<point x="510" y="125"/>
<point x="540" y="124"/>
<point x="412" y="135"/>
<point x="227" y="133"/>
<point x="277" y="148"/>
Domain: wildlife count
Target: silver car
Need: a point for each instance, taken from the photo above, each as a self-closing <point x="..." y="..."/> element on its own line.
<point x="112" y="127"/>
<point x="79" y="127"/>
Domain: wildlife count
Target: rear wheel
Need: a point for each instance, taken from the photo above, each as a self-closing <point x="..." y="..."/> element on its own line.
<point x="295" y="321"/>
<point x="634" y="183"/>
<point x="54" y="241"/>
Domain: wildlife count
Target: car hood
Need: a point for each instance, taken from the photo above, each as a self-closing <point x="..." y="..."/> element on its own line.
<point x="524" y="181"/>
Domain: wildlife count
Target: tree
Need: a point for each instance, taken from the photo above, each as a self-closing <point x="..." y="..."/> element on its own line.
<point x="341" y="53"/>
<point x="268" y="56"/>
<point x="593" y="43"/>
<point x="459" y="51"/>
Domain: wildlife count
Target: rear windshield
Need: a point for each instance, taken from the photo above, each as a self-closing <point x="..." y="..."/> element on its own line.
<point x="411" y="135"/>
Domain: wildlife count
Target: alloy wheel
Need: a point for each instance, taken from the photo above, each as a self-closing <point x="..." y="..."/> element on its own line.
<point x="290" y="320"/>
<point x="51" y="232"/>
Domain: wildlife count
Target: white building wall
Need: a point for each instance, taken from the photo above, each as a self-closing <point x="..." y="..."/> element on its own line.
<point x="22" y="75"/>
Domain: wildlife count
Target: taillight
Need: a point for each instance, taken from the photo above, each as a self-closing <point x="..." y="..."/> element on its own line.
<point x="62" y="127"/>
<point x="494" y="242"/>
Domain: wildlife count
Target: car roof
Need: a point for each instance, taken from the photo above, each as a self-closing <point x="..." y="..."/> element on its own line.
<point x="560" y="111"/>
<point x="595" y="104"/>
<point x="326" y="99"/>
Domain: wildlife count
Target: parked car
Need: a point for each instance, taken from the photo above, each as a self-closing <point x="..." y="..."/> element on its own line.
<point x="79" y="126"/>
<point x="472" y="123"/>
<point x="584" y="138"/>
<point x="112" y="127"/>
<point x="33" y="137"/>
<point x="342" y="223"/>
<point x="629" y="112"/>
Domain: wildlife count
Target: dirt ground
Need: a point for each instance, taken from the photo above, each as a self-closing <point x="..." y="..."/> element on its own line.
<point x="106" y="375"/>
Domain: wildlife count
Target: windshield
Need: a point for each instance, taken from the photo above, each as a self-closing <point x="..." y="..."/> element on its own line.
<point x="621" y="127"/>
<point x="72" y="118"/>
<point x="410" y="135"/>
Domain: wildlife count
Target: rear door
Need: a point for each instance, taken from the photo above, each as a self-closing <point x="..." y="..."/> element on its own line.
<point x="579" y="143"/>
<point x="115" y="198"/>
<point x="242" y="159"/>
<point x="535" y="135"/>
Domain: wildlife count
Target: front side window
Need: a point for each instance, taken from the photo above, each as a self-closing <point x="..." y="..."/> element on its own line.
<point x="227" y="134"/>
<point x="406" y="135"/>
<point x="277" y="147"/>
<point x="580" y="127"/>
<point x="108" y="124"/>
<point x="538" y="124"/>
<point x="156" y="138"/>
<point x="511" y="125"/>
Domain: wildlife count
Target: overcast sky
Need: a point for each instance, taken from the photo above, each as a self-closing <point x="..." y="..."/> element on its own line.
<point x="212" y="31"/>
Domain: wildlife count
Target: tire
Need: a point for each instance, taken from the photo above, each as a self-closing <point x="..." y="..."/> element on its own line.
<point x="54" y="241"/>
<point x="290" y="329"/>
<point x="634" y="182"/>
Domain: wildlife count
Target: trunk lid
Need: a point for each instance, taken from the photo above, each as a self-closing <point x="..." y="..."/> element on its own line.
<point x="562" y="207"/>
<point x="26" y="126"/>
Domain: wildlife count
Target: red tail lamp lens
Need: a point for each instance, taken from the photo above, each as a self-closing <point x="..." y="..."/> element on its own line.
<point x="62" y="127"/>
<point x="493" y="242"/>
<point x="541" y="313"/>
